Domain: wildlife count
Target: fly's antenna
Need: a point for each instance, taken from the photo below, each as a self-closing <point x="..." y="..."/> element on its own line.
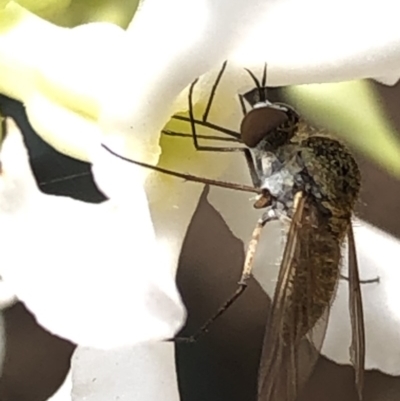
<point x="254" y="78"/>
<point x="264" y="77"/>
<point x="260" y="88"/>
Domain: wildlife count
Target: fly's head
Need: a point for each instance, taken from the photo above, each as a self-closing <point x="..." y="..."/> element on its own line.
<point x="267" y="126"/>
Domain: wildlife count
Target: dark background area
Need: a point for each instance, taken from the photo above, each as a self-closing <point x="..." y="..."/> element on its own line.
<point x="223" y="364"/>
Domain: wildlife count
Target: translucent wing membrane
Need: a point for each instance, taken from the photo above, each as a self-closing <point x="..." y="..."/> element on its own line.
<point x="306" y="284"/>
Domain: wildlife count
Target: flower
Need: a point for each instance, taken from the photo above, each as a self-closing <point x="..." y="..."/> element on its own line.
<point x="107" y="281"/>
<point x="70" y="101"/>
<point x="92" y="273"/>
<point x="98" y="83"/>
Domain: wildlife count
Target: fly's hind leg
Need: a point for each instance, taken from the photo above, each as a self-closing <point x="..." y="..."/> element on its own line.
<point x="242" y="284"/>
<point x="375" y="280"/>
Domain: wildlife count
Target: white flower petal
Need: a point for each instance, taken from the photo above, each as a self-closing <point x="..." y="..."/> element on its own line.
<point x="172" y="201"/>
<point x="389" y="79"/>
<point x="90" y="273"/>
<point x="50" y="118"/>
<point x="310" y="42"/>
<point x="148" y="69"/>
<point x="75" y="89"/>
<point x="116" y="178"/>
<point x="7" y="295"/>
<point x="141" y="373"/>
<point x="301" y="41"/>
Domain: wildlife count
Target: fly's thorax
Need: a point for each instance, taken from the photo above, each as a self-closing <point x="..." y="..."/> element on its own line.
<point x="280" y="173"/>
<point x="320" y="166"/>
<point x="334" y="179"/>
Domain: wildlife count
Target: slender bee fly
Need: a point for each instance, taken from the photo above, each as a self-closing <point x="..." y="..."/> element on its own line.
<point x="310" y="179"/>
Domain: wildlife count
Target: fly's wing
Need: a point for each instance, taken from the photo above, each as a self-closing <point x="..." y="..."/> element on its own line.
<point x="357" y="347"/>
<point x="303" y="293"/>
<point x="272" y="376"/>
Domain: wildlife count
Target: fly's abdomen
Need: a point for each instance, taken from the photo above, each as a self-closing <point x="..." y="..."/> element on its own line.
<point x="316" y="273"/>
<point x="334" y="182"/>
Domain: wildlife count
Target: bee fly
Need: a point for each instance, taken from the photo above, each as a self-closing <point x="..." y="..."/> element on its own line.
<point x="313" y="181"/>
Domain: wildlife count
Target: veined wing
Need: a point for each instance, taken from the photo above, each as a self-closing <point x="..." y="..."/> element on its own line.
<point x="306" y="283"/>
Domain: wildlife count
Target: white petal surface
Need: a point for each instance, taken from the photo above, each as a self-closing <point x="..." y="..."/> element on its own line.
<point x="89" y="273"/>
<point x="303" y="42"/>
<point x="310" y="41"/>
<point x="143" y="372"/>
<point x="7" y="295"/>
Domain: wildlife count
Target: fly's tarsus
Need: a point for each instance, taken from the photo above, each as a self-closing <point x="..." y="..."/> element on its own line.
<point x="242" y="284"/>
<point x="221" y="310"/>
<point x="375" y="280"/>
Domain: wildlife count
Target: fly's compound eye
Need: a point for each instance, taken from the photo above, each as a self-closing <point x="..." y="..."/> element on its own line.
<point x="262" y="123"/>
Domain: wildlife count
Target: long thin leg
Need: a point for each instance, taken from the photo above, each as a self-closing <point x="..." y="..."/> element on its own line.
<point x="214" y="91"/>
<point x="242" y="285"/>
<point x="205" y="137"/>
<point x="255" y="179"/>
<point x="202" y="148"/>
<point x="189" y="177"/>
<point x="242" y="105"/>
<point x="193" y="128"/>
<point x="207" y="124"/>
<point x="264" y="77"/>
<point x="369" y="281"/>
<point x="249" y="160"/>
